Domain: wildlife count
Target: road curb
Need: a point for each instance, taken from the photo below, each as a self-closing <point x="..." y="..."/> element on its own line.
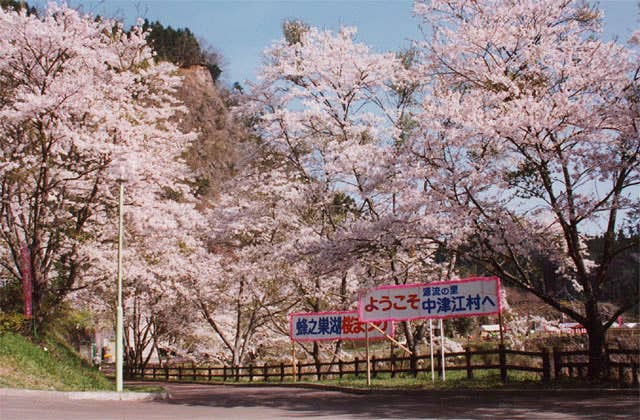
<point x="87" y="395"/>
<point x="320" y="387"/>
<point x="391" y="391"/>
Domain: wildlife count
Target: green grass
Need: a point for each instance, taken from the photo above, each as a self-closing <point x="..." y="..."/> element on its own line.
<point x="454" y="380"/>
<point x="144" y="388"/>
<point x="49" y="364"/>
<point x="483" y="379"/>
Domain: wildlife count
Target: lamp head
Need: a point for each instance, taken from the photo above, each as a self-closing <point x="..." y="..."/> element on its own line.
<point x="122" y="168"/>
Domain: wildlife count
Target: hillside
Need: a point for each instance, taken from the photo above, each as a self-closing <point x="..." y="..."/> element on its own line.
<point x="49" y="365"/>
<point x="217" y="150"/>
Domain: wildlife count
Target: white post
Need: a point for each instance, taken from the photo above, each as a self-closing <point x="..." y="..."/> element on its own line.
<point x="293" y="360"/>
<point x="119" y="315"/>
<point x="501" y="331"/>
<point x="366" y="332"/>
<point x="433" y="369"/>
<point x="444" y="375"/>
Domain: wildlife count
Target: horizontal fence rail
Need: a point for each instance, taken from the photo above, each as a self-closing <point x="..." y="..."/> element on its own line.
<point x="623" y="367"/>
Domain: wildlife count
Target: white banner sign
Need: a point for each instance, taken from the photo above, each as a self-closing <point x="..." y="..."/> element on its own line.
<point x="316" y="326"/>
<point x="477" y="296"/>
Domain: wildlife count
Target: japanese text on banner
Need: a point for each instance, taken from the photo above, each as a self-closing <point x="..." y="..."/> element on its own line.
<point x="459" y="298"/>
<point x="334" y="326"/>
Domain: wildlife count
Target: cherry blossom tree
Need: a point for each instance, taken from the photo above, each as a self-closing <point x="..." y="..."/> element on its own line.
<point x="75" y="92"/>
<point x="530" y="133"/>
<point x="248" y="291"/>
<point x="165" y="237"/>
<point x="335" y="116"/>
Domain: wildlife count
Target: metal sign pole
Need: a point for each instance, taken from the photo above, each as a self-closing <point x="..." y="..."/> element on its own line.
<point x="501" y="333"/>
<point x="293" y="360"/>
<point x="366" y="332"/>
<point x="444" y="374"/>
<point x="433" y="369"/>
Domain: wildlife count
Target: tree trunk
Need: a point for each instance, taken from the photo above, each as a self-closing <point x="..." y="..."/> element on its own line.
<point x="598" y="357"/>
<point x="412" y="344"/>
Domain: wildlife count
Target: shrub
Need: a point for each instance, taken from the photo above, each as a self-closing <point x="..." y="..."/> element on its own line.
<point x="12" y="322"/>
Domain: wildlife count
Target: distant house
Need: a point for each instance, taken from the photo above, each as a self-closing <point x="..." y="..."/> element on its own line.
<point x="572" y="328"/>
<point x="489" y="331"/>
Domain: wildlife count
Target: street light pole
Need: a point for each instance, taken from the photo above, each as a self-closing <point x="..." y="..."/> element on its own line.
<point x="119" y="315"/>
<point x="122" y="170"/>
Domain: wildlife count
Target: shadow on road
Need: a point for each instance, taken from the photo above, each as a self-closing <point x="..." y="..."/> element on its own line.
<point x="305" y="402"/>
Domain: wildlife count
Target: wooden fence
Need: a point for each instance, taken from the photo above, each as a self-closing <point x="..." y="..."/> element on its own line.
<point x="623" y="367"/>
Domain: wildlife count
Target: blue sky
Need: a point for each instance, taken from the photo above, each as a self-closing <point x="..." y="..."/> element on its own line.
<point x="241" y="29"/>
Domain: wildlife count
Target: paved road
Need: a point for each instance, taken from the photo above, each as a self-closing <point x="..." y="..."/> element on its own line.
<point x="196" y="402"/>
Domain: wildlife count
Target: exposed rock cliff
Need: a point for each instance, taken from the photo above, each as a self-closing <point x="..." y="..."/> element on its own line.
<point x="218" y="148"/>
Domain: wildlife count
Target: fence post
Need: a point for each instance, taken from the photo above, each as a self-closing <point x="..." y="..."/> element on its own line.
<point x="467" y="355"/>
<point x="439" y="366"/>
<point x="179" y="373"/>
<point x="154" y="372"/>
<point x="281" y="372"/>
<point x="224" y="373"/>
<point x="620" y="373"/>
<point x="546" y="366"/>
<point x="194" y="373"/>
<point x="356" y="367"/>
<point x="393" y="365"/>
<point x="166" y="373"/>
<point x="557" y="363"/>
<point x="237" y="370"/>
<point x="265" y="372"/>
<point x="340" y="368"/>
<point x="250" y="372"/>
<point x="209" y="375"/>
<point x="299" y="370"/>
<point x="374" y="371"/>
<point x="503" y="363"/>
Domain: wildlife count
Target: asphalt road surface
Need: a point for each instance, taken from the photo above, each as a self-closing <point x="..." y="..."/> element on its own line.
<point x="192" y="402"/>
